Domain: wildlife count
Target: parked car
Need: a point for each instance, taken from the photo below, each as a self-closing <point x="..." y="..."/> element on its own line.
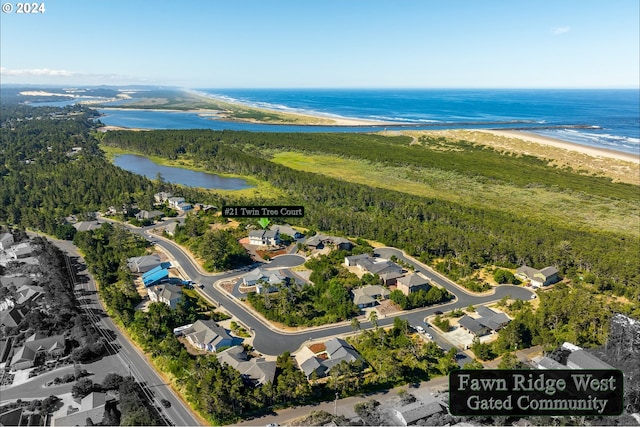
<point x="428" y="335"/>
<point x="420" y="329"/>
<point x="534" y="296"/>
<point x="438" y="313"/>
<point x="165" y="403"/>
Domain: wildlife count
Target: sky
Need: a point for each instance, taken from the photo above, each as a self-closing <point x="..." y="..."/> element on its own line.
<point x="324" y="44"/>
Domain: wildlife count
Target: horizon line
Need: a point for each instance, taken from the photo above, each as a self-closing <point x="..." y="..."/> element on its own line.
<point x="60" y="85"/>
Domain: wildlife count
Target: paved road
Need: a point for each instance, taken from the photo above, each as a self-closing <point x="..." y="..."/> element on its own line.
<point x="132" y="359"/>
<point x="271" y="341"/>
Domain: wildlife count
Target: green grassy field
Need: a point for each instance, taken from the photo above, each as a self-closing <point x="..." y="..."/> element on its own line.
<point x="590" y="212"/>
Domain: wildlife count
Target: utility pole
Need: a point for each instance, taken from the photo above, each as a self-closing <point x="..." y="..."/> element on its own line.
<point x="335" y="409"/>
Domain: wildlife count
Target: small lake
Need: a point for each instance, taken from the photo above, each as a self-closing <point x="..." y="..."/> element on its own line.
<point x="143" y="166"/>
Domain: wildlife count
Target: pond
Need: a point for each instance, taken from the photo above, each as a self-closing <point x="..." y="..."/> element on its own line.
<point x="144" y="166"/>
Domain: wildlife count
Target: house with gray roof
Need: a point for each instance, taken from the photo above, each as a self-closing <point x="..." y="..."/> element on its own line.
<point x="319" y="241"/>
<point x="256" y="371"/>
<point x="411" y="283"/>
<point x="264" y="280"/>
<point x="288" y="230"/>
<point x="166" y="294"/>
<point x="21" y="250"/>
<point x="142" y="215"/>
<point x="92" y="407"/>
<point x="6" y="240"/>
<point x="338" y="351"/>
<point x="264" y="237"/>
<point x="415" y="411"/>
<point x="368" y="296"/>
<point x="87" y="225"/>
<point x="142" y="264"/>
<point x="548" y="363"/>
<point x="352" y="260"/>
<point x="313" y="365"/>
<point x="473" y="326"/>
<point x="538" y="278"/>
<point x="207" y="335"/>
<point x="580" y="359"/>
<point x="488" y="321"/>
<point x="25" y="356"/>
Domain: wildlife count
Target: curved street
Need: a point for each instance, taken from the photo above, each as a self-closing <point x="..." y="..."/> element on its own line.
<point x="272" y="341"/>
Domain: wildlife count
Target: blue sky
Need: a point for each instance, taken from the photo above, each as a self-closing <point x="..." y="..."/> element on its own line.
<point x="305" y="44"/>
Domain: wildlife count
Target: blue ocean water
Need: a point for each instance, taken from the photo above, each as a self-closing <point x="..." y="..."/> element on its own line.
<point x="593" y="117"/>
<point x="607" y="118"/>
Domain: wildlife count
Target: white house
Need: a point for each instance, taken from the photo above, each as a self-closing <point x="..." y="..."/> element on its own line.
<point x="6" y="240"/>
<point x="264" y="237"/>
<point x="167" y="294"/>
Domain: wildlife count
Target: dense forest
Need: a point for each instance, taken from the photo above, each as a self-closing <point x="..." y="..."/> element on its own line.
<point x="45" y="177"/>
<point x="463" y="237"/>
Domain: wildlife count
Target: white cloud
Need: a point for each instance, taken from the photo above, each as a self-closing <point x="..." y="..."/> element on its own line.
<point x="40" y="72"/>
<point x="560" y="30"/>
<point x="47" y="75"/>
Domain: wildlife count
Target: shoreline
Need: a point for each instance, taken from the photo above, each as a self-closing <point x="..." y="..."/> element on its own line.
<point x="565" y="145"/>
<point x="225" y="116"/>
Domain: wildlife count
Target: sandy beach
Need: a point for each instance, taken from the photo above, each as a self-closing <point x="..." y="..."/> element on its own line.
<point x="565" y="145"/>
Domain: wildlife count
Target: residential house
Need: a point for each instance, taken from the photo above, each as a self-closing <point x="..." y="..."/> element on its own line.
<point x="337" y="350"/>
<point x="367" y="296"/>
<point x="174" y="202"/>
<point x="489" y="321"/>
<point x="412" y="412"/>
<point x="15" y="281"/>
<point x="25" y="356"/>
<point x="411" y="283"/>
<point x="259" y="277"/>
<point x="20" y="251"/>
<point x="548" y="363"/>
<point x="162" y="197"/>
<point x="170" y="228"/>
<point x="388" y="271"/>
<point x="27" y="293"/>
<point x="319" y="241"/>
<point x="12" y="317"/>
<point x="538" y="278"/>
<point x="92" y="407"/>
<point x="184" y="206"/>
<point x="155" y="277"/>
<point x="472" y="326"/>
<point x="6" y="240"/>
<point x="264" y="237"/>
<point x="207" y="335"/>
<point x="256" y="371"/>
<point x="5" y="349"/>
<point x="87" y="225"/>
<point x="352" y="260"/>
<point x="142" y="215"/>
<point x="390" y="278"/>
<point x="142" y="264"/>
<point x="166" y="294"/>
<point x="288" y="230"/>
<point x="12" y="417"/>
<point x="578" y="358"/>
<point x="203" y="207"/>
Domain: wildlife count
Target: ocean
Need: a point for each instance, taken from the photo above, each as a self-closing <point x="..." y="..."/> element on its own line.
<point x="594" y="117"/>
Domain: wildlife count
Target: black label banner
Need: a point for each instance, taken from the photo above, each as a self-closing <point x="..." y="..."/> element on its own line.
<point x="536" y="392"/>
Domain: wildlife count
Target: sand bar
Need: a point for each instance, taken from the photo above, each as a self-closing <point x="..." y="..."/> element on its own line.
<point x="566" y="145"/>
